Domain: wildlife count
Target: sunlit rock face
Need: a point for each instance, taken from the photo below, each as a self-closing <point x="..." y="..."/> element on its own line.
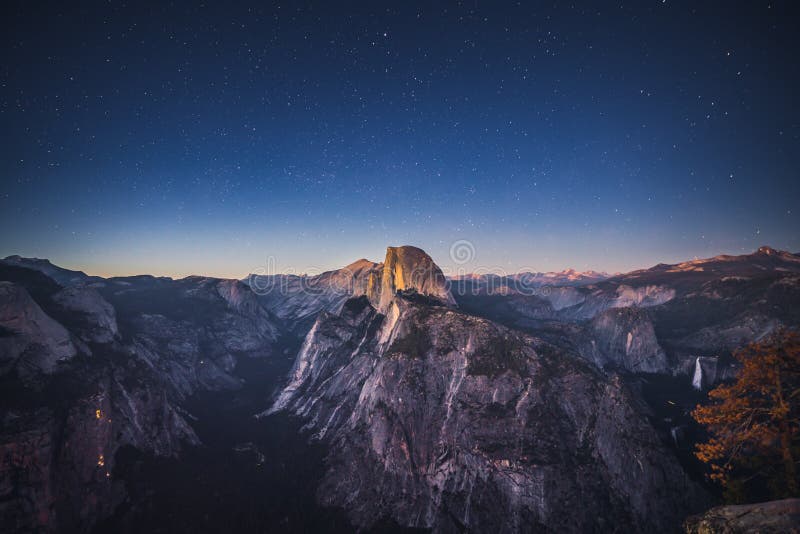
<point x="408" y="269"/>
<point x="446" y="421"/>
<point x="298" y="299"/>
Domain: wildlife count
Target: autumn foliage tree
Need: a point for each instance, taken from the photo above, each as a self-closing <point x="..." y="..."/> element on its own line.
<point x="753" y="423"/>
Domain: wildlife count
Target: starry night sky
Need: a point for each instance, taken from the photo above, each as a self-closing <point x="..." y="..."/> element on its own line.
<point x="178" y="139"/>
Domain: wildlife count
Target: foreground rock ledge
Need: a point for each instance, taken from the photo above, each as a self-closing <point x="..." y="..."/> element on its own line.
<point x="765" y="518"/>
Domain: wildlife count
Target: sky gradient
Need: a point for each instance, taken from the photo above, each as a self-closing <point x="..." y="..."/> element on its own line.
<point x="177" y="139"/>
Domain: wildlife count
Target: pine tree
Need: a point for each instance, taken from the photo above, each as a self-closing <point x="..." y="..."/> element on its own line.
<point x="754" y="423"/>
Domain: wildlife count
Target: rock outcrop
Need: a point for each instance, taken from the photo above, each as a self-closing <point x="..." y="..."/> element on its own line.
<point x="773" y="517"/>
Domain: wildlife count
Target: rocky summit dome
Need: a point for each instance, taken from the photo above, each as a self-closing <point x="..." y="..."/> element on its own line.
<point x="408" y="268"/>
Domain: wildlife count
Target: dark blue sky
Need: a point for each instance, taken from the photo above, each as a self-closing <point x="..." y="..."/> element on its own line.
<point x="179" y="139"/>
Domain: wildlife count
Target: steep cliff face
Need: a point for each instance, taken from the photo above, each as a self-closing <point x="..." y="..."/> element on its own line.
<point x="442" y="420"/>
<point x="95" y="318"/>
<point x="624" y="338"/>
<point x="563" y="297"/>
<point x="57" y="454"/>
<point x="409" y="269"/>
<point x="31" y="342"/>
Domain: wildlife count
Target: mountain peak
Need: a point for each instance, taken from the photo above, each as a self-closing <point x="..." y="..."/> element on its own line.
<point x="408" y="268"/>
<point x="767" y="250"/>
<point x="63" y="277"/>
<point x="16" y="258"/>
<point x="360" y="265"/>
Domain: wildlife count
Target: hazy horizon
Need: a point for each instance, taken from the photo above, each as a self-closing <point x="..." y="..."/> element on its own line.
<point x="272" y="264"/>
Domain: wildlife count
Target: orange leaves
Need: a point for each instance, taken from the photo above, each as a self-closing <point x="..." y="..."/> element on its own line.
<point x="755" y="420"/>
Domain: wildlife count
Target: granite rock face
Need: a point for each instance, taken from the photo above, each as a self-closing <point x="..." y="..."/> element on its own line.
<point x="99" y="316"/>
<point x="445" y="421"/>
<point x="31" y="342"/>
<point x="624" y="338"/>
<point x="298" y="299"/>
<point x="408" y="269"/>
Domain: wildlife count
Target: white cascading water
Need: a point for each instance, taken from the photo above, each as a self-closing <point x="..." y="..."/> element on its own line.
<point x="697" y="380"/>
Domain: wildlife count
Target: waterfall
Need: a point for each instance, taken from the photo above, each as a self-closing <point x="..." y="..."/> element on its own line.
<point x="697" y="380"/>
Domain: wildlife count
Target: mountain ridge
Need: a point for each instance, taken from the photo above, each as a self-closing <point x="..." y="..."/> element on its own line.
<point x="46" y="266"/>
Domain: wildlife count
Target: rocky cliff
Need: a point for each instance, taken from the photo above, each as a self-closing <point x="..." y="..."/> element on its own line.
<point x="624" y="338"/>
<point x="774" y="517"/>
<point x="81" y="378"/>
<point x="441" y="420"/>
<point x="31" y="342"/>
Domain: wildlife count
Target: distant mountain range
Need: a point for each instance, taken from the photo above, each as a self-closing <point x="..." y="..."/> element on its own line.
<point x="538" y="401"/>
<point x="527" y="280"/>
